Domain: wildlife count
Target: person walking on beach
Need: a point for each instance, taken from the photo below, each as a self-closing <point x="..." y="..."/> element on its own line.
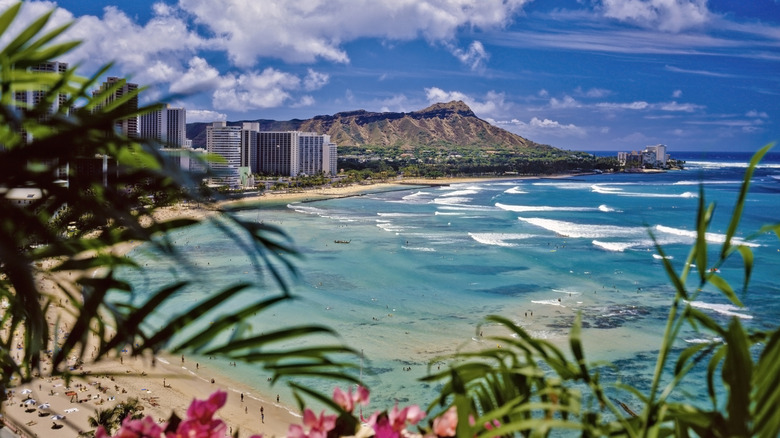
<point x="262" y="415"/>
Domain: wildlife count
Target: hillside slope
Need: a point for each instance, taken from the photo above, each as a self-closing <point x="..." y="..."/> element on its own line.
<point x="441" y="126"/>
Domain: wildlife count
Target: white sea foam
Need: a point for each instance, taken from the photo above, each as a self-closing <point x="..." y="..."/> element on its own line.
<point x="704" y="340"/>
<point x="306" y="209"/>
<point x="393" y="228"/>
<point x="723" y="309"/>
<point x="524" y="208"/>
<point x="467" y="207"/>
<point x="721" y="165"/>
<point x="548" y="302"/>
<point x="416" y="195"/>
<point x="605" y="208"/>
<point x="571" y="229"/>
<point x="696" y="183"/>
<point x="448" y="213"/>
<point x="566" y="185"/>
<point x="499" y="239"/>
<point x="660" y="257"/>
<point x="453" y="200"/>
<point x="611" y="190"/>
<point x="615" y="246"/>
<point x="605" y="189"/>
<point x="437" y="238"/>
<point x="711" y="237"/>
<point x="401" y="214"/>
<point x="515" y="191"/>
<point x="465" y="192"/>
<point x="418" y="248"/>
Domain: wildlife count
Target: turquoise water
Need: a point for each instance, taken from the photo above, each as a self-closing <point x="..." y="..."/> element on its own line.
<point x="425" y="265"/>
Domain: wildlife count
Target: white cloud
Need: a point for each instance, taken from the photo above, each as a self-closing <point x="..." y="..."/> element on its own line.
<point x="474" y="57"/>
<point x="593" y="92"/>
<point x="304" y="101"/>
<point x="243" y="92"/>
<point x="398" y="103"/>
<point x="493" y="104"/>
<point x="315" y="80"/>
<point x="116" y="37"/>
<point x="664" y="15"/>
<point x="297" y="31"/>
<point x="698" y="72"/>
<point x="566" y="102"/>
<point x="759" y="114"/>
<point x="542" y="128"/>
<point x="684" y="107"/>
<point x="637" y="105"/>
<point x="198" y="77"/>
<point x="195" y="115"/>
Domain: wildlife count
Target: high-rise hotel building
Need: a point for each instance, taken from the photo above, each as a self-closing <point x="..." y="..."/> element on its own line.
<point x="29" y="99"/>
<point x="225" y="141"/>
<point x="293" y="153"/>
<point x="167" y="125"/>
<point x="127" y="126"/>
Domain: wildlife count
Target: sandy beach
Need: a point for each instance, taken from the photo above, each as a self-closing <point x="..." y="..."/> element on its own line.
<point x="165" y="384"/>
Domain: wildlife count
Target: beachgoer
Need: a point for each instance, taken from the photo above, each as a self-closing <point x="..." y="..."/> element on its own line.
<point x="277" y="398"/>
<point x="242" y="397"/>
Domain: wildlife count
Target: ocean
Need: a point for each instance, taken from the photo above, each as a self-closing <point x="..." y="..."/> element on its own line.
<point x="425" y="265"/>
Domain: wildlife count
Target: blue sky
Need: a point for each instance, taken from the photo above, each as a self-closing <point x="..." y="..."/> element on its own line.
<point x="578" y="74"/>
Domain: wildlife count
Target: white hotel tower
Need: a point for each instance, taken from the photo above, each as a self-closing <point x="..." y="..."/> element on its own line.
<point x="167" y="125"/>
<point x="225" y="141"/>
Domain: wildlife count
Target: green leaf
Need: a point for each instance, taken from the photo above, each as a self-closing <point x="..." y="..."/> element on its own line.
<point x="8" y="16"/>
<point x="747" y="261"/>
<point x="14" y="50"/>
<point x="702" y="222"/>
<point x="575" y="340"/>
<point x="743" y="190"/>
<point x="725" y="287"/>
<point x="766" y="386"/>
<point x="737" y="375"/>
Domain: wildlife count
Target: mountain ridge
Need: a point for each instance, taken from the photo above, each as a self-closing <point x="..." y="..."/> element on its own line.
<point x="451" y="125"/>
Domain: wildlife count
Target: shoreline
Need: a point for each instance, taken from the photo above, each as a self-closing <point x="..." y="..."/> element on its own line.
<point x="161" y="383"/>
<point x="327" y="192"/>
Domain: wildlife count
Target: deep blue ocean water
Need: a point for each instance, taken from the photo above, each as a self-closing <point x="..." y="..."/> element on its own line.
<point x="425" y="265"/>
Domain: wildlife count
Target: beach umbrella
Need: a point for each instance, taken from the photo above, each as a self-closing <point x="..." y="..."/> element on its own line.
<point x="57" y="417"/>
<point x="44" y="406"/>
<point x="25" y="391"/>
<point x="29" y="401"/>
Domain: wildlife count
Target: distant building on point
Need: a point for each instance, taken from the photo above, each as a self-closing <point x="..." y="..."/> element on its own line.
<point x="652" y="156"/>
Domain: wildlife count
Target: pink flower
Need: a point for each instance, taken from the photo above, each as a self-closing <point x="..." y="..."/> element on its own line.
<point x="143" y="428"/>
<point x="200" y="422"/>
<point x="494" y="425"/>
<point x="347" y="401"/>
<point x="390" y="425"/>
<point x="318" y="427"/>
<point x="446" y="423"/>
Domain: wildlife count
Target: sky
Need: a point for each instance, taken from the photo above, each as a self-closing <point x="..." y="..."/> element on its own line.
<point x="576" y="74"/>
